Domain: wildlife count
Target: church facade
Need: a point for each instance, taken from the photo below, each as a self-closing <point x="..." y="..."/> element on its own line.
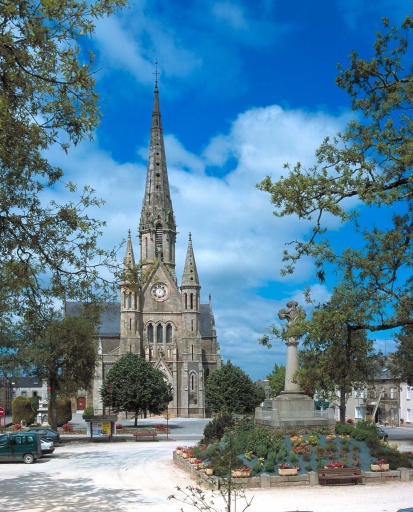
<point x="165" y="321"/>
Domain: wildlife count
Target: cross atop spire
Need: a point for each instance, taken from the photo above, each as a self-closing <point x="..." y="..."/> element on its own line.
<point x="156" y="73"/>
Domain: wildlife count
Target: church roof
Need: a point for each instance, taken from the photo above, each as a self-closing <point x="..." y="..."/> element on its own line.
<point x="109" y="318"/>
<point x="206" y="321"/>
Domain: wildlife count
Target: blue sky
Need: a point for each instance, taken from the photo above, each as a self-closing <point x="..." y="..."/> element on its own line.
<point x="244" y="88"/>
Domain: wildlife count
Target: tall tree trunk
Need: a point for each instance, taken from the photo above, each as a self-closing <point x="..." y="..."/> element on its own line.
<point x="136" y="419"/>
<point x="53" y="403"/>
<point x="343" y="405"/>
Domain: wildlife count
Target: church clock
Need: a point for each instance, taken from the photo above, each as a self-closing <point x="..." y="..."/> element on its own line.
<point x="159" y="292"/>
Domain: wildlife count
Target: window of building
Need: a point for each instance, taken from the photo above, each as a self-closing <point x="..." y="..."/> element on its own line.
<point x="359" y="393"/>
<point x="24" y="393"/>
<point x="192" y="325"/>
<point x="158" y="240"/>
<point x="169" y="333"/>
<point x="186" y="300"/>
<point x="392" y="414"/>
<point x="192" y="301"/>
<point x="159" y="334"/>
<point x="409" y="416"/>
<point x="150" y="333"/>
<point x="34" y="393"/>
<point x="192" y="382"/>
<point x="391" y="392"/>
<point x="129" y="300"/>
<point x="359" y="412"/>
<point x="407" y="393"/>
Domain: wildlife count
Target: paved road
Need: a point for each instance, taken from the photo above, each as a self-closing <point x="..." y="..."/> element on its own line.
<point x="399" y="433"/>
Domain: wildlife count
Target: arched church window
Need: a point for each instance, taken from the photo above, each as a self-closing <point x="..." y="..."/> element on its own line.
<point x="186" y="300"/>
<point x="192" y="325"/>
<point x="192" y="381"/>
<point x="192" y="301"/>
<point x="159" y="334"/>
<point x="150" y="333"/>
<point x="129" y="300"/>
<point x="169" y="333"/>
<point x="124" y="300"/>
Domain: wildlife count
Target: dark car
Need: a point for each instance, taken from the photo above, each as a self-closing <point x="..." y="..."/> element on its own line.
<point x="382" y="434"/>
<point x="47" y="434"/>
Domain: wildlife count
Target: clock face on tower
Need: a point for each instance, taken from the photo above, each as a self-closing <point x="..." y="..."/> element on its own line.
<point x="159" y="291"/>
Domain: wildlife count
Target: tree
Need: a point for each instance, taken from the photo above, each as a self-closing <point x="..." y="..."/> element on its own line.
<point x="132" y="384"/>
<point x="64" y="354"/>
<point x="334" y="355"/>
<point x="401" y="363"/>
<point x="229" y="389"/>
<point x="371" y="162"/>
<point x="47" y="97"/>
<point x="276" y="379"/>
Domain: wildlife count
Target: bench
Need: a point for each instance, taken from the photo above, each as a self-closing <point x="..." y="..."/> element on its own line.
<point x="145" y="433"/>
<point x="339" y="475"/>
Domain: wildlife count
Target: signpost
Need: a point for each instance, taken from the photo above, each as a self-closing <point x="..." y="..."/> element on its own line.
<point x="3" y="413"/>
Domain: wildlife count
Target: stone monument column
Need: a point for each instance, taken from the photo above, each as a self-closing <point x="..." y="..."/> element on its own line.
<point x="291" y="366"/>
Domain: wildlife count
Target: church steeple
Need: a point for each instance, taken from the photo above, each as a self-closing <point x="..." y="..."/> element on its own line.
<point x="157" y="228"/>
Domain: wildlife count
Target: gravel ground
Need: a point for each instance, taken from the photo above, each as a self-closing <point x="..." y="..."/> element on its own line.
<point x="129" y="476"/>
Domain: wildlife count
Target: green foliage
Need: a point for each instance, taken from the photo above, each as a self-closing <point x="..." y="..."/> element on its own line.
<point x="229" y="389"/>
<point x="276" y="379"/>
<point x="225" y="460"/>
<point x="89" y="411"/>
<point x="370" y="162"/>
<point x="132" y="384"/>
<point x="320" y="464"/>
<point x="344" y="429"/>
<point x="64" y="411"/>
<point x="47" y="98"/>
<point x="269" y="466"/>
<point x="256" y="469"/>
<point x="293" y="458"/>
<point x="261" y="450"/>
<point x="401" y="363"/>
<point x="34" y="402"/>
<point x="22" y="410"/>
<point x="395" y="459"/>
<point x="308" y="467"/>
<point x="64" y="353"/>
<point x="215" y="429"/>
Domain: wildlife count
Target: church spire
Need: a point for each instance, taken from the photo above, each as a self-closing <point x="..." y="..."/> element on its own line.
<point x="190" y="275"/>
<point x="157" y="228"/>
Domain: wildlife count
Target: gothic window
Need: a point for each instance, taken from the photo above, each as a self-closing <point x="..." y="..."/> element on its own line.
<point x="192" y="301"/>
<point x="159" y="334"/>
<point x="130" y="324"/>
<point x="158" y="240"/>
<point x="186" y="300"/>
<point x="150" y="333"/>
<point x="146" y="248"/>
<point x="192" y="383"/>
<point x="207" y="373"/>
<point x="169" y="333"/>
<point x="129" y="300"/>
<point x="124" y="300"/>
<point x="192" y="325"/>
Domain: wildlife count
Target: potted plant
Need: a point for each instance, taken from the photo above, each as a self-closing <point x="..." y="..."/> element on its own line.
<point x="286" y="469"/>
<point x="335" y="464"/>
<point x="241" y="472"/>
<point x="379" y="465"/>
<point x="208" y="470"/>
<point x="179" y="450"/>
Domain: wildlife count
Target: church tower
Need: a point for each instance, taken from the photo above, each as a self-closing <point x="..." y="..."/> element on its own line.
<point x="157" y="228"/>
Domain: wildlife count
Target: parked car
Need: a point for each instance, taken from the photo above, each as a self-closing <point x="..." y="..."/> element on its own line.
<point x="47" y="434"/>
<point x="383" y="434"/>
<point x="47" y="447"/>
<point x="20" y="446"/>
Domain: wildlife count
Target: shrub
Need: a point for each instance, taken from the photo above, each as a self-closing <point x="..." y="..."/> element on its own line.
<point x="64" y="411"/>
<point x="256" y="469"/>
<point x="215" y="429"/>
<point x="269" y="466"/>
<point x="89" y="411"/>
<point x="34" y="402"/>
<point x="67" y="428"/>
<point x="261" y="450"/>
<point x="320" y="464"/>
<point x="293" y="457"/>
<point x="344" y="430"/>
<point x="308" y="467"/>
<point x="22" y="410"/>
<point x="395" y="458"/>
<point x="272" y="457"/>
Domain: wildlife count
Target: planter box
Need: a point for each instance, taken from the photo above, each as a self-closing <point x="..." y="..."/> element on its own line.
<point x="209" y="472"/>
<point x="185" y="455"/>
<point x="287" y="472"/>
<point x="241" y="474"/>
<point x="179" y="452"/>
<point x="379" y="467"/>
<point x="192" y="460"/>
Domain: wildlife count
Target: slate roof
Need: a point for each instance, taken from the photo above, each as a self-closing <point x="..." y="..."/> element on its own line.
<point x="109" y="319"/>
<point x="207" y="322"/>
<point x="27" y="382"/>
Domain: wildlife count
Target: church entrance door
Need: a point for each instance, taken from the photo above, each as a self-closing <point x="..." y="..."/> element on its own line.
<point x="81" y="403"/>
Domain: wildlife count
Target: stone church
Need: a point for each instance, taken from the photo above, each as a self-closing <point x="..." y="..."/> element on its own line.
<point x="166" y="322"/>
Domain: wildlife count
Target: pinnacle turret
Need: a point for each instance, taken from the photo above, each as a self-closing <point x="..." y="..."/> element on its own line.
<point x="190" y="275"/>
<point x="129" y="261"/>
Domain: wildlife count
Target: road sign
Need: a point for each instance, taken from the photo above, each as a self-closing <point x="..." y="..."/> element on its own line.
<point x="1" y="411"/>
